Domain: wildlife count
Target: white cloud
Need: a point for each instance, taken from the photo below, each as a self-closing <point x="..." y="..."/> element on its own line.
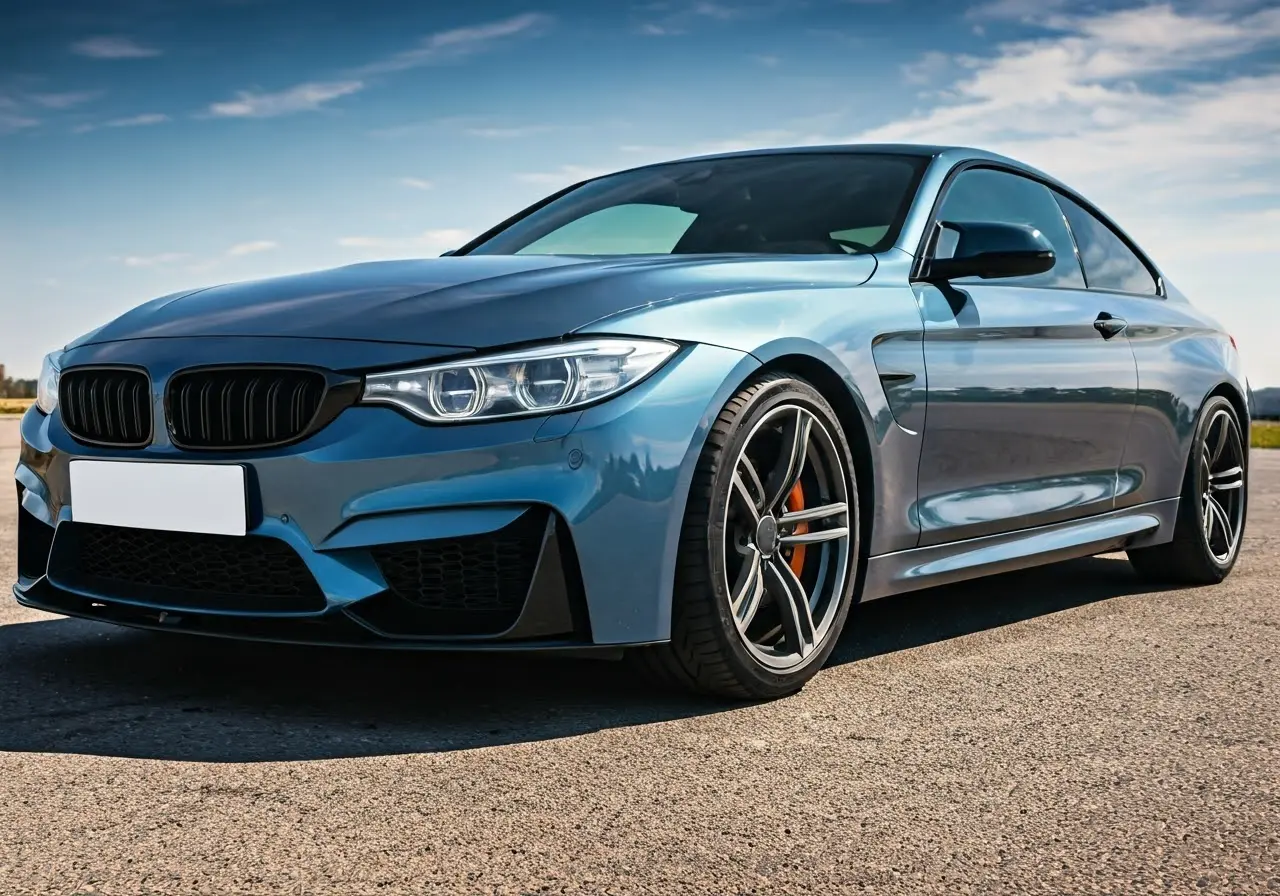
<point x="12" y="122"/>
<point x="152" y="261"/>
<point x="416" y="183"/>
<point x="509" y="133"/>
<point x="444" y="46"/>
<point x="665" y="19"/>
<point x="16" y="107"/>
<point x="64" y="100"/>
<point x="928" y="68"/>
<point x="132" y="121"/>
<point x="716" y="11"/>
<point x="768" y="60"/>
<point x="1018" y="10"/>
<point x="251" y="247"/>
<point x="429" y="242"/>
<point x="1077" y="103"/>
<point x="167" y="259"/>
<point x="300" y="98"/>
<point x="112" y="47"/>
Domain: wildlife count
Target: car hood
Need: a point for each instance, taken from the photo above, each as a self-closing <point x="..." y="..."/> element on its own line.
<point x="467" y="301"/>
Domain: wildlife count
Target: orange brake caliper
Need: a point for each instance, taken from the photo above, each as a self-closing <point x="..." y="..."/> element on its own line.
<point x="795" y="501"/>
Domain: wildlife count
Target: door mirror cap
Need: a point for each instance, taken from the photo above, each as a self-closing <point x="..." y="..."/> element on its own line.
<point x="988" y="250"/>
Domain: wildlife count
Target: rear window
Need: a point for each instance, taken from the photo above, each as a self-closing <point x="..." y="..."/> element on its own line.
<point x="1108" y="261"/>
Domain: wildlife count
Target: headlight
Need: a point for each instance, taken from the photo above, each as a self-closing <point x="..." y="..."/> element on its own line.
<point x="47" y="386"/>
<point x="531" y="381"/>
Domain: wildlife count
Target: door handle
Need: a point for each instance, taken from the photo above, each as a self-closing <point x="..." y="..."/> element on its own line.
<point x="1108" y="325"/>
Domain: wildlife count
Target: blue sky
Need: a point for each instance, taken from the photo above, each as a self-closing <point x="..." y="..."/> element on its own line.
<point x="152" y="145"/>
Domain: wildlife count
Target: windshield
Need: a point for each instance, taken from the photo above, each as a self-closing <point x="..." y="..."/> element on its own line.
<point x="804" y="203"/>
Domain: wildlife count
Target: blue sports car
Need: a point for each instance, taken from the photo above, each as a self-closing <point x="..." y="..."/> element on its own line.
<point x="687" y="413"/>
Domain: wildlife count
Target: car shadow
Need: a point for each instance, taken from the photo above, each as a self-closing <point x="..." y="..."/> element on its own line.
<point x="938" y="614"/>
<point x="70" y="686"/>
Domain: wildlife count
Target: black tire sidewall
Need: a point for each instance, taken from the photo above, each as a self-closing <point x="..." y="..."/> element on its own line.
<point x="1193" y="487"/>
<point x="760" y="678"/>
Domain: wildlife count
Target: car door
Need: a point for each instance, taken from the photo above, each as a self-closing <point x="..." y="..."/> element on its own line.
<point x="1030" y="394"/>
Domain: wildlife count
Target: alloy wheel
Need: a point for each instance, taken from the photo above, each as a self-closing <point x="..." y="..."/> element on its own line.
<point x="1222" y="480"/>
<point x="788" y="536"/>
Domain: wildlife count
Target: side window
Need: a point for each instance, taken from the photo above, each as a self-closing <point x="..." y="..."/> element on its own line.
<point x="984" y="194"/>
<point x="1108" y="261"/>
<point x="635" y="228"/>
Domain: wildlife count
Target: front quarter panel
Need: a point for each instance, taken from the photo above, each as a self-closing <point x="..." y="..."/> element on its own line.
<point x="847" y="328"/>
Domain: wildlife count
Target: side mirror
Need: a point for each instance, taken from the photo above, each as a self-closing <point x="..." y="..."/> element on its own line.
<point x="987" y="250"/>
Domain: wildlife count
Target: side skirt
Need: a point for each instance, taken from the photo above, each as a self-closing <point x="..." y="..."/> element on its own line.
<point x="910" y="570"/>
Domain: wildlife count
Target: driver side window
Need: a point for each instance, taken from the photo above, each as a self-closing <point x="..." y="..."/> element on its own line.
<point x="988" y="195"/>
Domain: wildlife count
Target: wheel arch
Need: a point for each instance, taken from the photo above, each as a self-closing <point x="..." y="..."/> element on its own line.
<point x="1240" y="405"/>
<point x="1232" y="394"/>
<point x="862" y="424"/>
<point x="1224" y="389"/>
<point x="852" y="415"/>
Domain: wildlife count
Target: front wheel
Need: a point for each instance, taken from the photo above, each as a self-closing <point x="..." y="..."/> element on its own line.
<point x="1211" y="512"/>
<point x="768" y="549"/>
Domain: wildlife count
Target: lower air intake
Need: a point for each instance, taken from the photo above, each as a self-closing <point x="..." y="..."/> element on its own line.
<point x="471" y="585"/>
<point x="185" y="570"/>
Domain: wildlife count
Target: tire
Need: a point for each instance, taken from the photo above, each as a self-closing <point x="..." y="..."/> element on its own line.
<point x="712" y="650"/>
<point x="1217" y="472"/>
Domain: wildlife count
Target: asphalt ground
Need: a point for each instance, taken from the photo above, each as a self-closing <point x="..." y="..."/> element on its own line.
<point x="1061" y="730"/>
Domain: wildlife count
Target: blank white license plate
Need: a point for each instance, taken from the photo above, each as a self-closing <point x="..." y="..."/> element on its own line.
<point x="205" y="498"/>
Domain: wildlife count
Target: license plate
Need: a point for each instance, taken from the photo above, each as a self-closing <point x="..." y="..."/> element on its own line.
<point x="204" y="498"/>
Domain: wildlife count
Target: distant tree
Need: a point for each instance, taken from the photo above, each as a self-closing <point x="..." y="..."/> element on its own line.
<point x="11" y="388"/>
<point x="1266" y="403"/>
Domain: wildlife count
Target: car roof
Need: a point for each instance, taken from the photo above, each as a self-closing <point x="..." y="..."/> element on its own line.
<point x="946" y="157"/>
<point x="949" y="154"/>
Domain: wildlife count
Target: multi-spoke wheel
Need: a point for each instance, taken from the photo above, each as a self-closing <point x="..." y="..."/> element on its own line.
<point x="1211" y="513"/>
<point x="785" y="550"/>
<point x="769" y="547"/>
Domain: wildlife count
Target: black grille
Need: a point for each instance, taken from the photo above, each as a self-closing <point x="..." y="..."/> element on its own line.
<point x="475" y="584"/>
<point x="243" y="407"/>
<point x="106" y="405"/>
<point x="181" y="569"/>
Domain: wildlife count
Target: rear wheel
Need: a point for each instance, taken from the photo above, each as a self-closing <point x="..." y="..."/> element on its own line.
<point x="1211" y="514"/>
<point x="768" y="548"/>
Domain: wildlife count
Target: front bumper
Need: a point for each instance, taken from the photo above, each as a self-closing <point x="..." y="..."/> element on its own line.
<point x="577" y="516"/>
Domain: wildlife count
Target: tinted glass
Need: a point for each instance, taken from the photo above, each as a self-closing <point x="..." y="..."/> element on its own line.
<point x="1108" y="261"/>
<point x="808" y="203"/>
<point x="634" y="228"/>
<point x="987" y="195"/>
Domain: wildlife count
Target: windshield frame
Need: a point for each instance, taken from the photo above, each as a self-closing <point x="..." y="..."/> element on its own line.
<point x="920" y="162"/>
